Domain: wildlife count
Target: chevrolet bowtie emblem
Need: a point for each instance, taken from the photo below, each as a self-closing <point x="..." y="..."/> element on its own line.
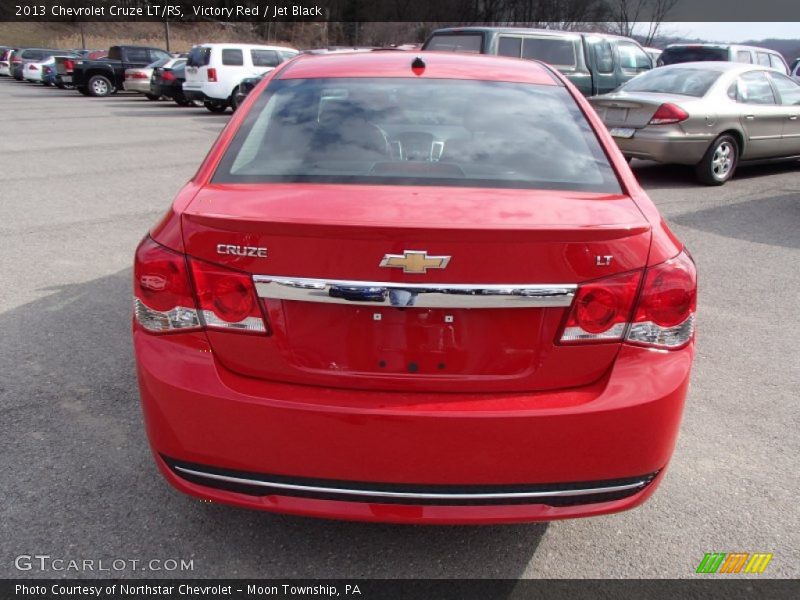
<point x="414" y="261"/>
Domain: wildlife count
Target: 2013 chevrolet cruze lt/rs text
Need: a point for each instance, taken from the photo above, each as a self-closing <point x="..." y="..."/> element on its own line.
<point x="414" y="288"/>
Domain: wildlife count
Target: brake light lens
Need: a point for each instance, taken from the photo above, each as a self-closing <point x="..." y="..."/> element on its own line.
<point x="663" y="316"/>
<point x="667" y="114"/>
<point x="33" y="68"/>
<point x="69" y="65"/>
<point x="163" y="299"/>
<point x="136" y="75"/>
<point x="665" y="313"/>
<point x="211" y="74"/>
<point x="602" y="309"/>
<point x="227" y="298"/>
<point x="168" y="76"/>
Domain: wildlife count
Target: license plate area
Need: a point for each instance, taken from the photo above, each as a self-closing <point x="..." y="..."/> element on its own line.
<point x="622" y="132"/>
<point x="419" y="342"/>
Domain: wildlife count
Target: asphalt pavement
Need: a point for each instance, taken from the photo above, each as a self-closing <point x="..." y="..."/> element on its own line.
<point x="82" y="180"/>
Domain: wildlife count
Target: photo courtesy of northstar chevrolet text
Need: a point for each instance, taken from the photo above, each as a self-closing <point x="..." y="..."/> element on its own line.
<point x="284" y="282"/>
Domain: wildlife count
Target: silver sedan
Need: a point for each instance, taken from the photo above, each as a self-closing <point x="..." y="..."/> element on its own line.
<point x="713" y="115"/>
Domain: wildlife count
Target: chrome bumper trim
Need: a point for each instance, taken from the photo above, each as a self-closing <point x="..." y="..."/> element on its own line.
<point x="418" y="295"/>
<point x="415" y="495"/>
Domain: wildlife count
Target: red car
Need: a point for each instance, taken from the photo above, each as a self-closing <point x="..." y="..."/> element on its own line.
<point x="420" y="288"/>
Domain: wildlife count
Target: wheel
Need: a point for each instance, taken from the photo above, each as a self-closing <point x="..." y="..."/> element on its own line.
<point x="232" y="99"/>
<point x="152" y="96"/>
<point x="216" y="107"/>
<point x="181" y="100"/>
<point x="100" y="86"/>
<point x="719" y="162"/>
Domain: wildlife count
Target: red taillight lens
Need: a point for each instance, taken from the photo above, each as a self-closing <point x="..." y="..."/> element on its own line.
<point x="211" y="74"/>
<point x="665" y="312"/>
<point x="33" y="68"/>
<point x="168" y="76"/>
<point x="69" y="65"/>
<point x="607" y="309"/>
<point x="602" y="308"/>
<point x="227" y="298"/>
<point x="668" y="113"/>
<point x="48" y="70"/>
<point x="163" y="294"/>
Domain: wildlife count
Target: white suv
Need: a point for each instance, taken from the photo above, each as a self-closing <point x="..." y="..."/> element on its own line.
<point x="214" y="71"/>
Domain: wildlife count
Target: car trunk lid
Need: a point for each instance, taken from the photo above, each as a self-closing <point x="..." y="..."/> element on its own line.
<point x="635" y="112"/>
<point x="342" y="335"/>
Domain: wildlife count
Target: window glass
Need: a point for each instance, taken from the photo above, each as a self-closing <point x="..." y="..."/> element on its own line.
<point x="265" y="58"/>
<point x="676" y="80"/>
<point x="603" y="56"/>
<point x="417" y="132"/>
<point x="232" y="57"/>
<point x="754" y="88"/>
<point x="199" y="56"/>
<point x="682" y="54"/>
<point x="137" y="55"/>
<point x="744" y="56"/>
<point x="468" y="42"/>
<point x="763" y="59"/>
<point x="633" y="58"/>
<point x="159" y="55"/>
<point x="777" y="63"/>
<point x="554" y="51"/>
<point x="509" y="46"/>
<point x="788" y="89"/>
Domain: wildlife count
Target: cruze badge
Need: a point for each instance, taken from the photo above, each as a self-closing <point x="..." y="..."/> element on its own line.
<point x="414" y="261"/>
<point x="256" y="251"/>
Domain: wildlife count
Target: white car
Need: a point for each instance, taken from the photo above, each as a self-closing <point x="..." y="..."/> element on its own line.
<point x="32" y="71"/>
<point x="214" y="71"/>
<point x="138" y="80"/>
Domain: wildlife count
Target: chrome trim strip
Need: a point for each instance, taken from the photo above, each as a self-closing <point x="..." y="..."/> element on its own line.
<point x="414" y="495"/>
<point x="419" y="295"/>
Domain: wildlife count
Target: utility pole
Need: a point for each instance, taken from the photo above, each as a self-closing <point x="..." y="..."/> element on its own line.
<point x="166" y="32"/>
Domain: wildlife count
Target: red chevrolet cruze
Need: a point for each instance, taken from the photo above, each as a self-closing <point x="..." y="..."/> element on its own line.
<point x="419" y="288"/>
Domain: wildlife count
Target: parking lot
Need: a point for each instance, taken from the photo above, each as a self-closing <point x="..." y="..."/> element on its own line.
<point x="82" y="180"/>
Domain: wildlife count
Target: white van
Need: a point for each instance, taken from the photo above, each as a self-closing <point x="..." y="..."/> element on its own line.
<point x="214" y="71"/>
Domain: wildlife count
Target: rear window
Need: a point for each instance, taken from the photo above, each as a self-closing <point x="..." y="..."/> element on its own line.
<point x="687" y="82"/>
<point x="32" y="54"/>
<point x="232" y="57"/>
<point x="418" y="132"/>
<point x="671" y="56"/>
<point x="557" y="52"/>
<point x="447" y="42"/>
<point x="140" y="55"/>
<point x="265" y="58"/>
<point x="199" y="56"/>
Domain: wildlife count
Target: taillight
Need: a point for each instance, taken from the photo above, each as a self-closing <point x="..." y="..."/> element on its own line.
<point x="667" y="114"/>
<point x="163" y="293"/>
<point x="211" y="74"/>
<point x="48" y="70"/>
<point x="227" y="298"/>
<point x="166" y="301"/>
<point x="665" y="312"/>
<point x="136" y="75"/>
<point x="663" y="316"/>
<point x="69" y="65"/>
<point x="602" y="308"/>
<point x="168" y="76"/>
<point x="33" y="68"/>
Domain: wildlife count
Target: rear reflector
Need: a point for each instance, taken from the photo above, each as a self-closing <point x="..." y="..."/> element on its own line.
<point x="163" y="295"/>
<point x="663" y="316"/>
<point x="667" y="114"/>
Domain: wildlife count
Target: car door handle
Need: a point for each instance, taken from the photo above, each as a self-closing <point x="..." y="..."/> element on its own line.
<point x="750" y="117"/>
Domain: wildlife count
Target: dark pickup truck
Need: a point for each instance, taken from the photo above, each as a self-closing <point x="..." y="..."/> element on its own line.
<point x="105" y="76"/>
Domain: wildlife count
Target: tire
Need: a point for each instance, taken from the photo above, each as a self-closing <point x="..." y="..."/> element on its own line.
<point x="100" y="86"/>
<point x="720" y="161"/>
<point x="232" y="99"/>
<point x="182" y="101"/>
<point x="152" y="97"/>
<point x="216" y="107"/>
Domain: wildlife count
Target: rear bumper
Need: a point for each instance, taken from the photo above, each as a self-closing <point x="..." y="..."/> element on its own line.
<point x="132" y="85"/>
<point x="666" y="144"/>
<point x="320" y="442"/>
<point x="206" y="91"/>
